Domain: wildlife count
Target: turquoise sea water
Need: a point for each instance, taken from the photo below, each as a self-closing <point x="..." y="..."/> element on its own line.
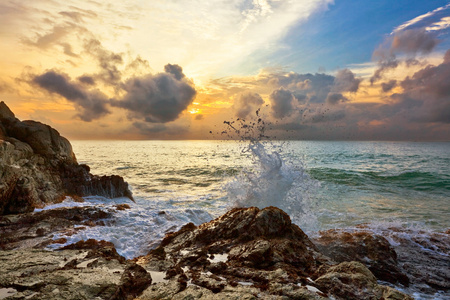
<point x="350" y="182"/>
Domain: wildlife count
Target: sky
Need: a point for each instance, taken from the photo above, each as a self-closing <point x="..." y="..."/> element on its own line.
<point x="196" y="69"/>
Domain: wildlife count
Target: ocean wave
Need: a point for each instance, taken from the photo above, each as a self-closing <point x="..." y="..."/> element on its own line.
<point x="415" y="180"/>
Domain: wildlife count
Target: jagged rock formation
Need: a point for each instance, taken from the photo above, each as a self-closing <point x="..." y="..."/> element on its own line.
<point x="38" y="167"/>
<point x="254" y="253"/>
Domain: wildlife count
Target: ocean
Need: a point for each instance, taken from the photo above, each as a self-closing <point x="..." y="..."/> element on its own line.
<point x="386" y="186"/>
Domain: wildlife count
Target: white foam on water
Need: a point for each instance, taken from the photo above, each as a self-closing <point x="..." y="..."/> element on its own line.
<point x="133" y="231"/>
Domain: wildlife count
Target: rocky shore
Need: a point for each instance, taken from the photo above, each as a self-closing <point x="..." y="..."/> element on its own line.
<point x="38" y="167"/>
<point x="247" y="253"/>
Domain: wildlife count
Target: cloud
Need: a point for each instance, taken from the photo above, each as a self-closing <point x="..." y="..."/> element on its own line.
<point x="281" y="103"/>
<point x="384" y="65"/>
<point x="335" y="98"/>
<point x="108" y="62"/>
<point x="410" y="42"/>
<point x="91" y="103"/>
<point x="157" y="98"/>
<point x="58" y="36"/>
<point x="442" y="24"/>
<point x="43" y="41"/>
<point x="345" y="81"/>
<point x="175" y="70"/>
<point x="388" y="86"/>
<point x="246" y="103"/>
<point x="159" y="130"/>
<point x="430" y="88"/>
<point x="86" y="79"/>
<point x="414" y="41"/>
<point x="304" y="87"/>
<point x="423" y="20"/>
<point x="68" y="49"/>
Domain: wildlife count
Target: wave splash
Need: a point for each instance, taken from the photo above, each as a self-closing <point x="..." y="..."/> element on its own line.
<point x="272" y="180"/>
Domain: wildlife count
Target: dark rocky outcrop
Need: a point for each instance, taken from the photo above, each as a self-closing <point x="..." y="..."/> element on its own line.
<point x="254" y="253"/>
<point x="417" y="259"/>
<point x="372" y="250"/>
<point x="38" y="167"/>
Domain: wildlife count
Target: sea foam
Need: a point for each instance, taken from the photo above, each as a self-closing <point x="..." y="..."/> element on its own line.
<point x="272" y="180"/>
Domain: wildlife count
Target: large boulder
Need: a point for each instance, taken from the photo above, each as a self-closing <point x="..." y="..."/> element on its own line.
<point x="352" y="280"/>
<point x="372" y="250"/>
<point x="251" y="253"/>
<point x="38" y="167"/>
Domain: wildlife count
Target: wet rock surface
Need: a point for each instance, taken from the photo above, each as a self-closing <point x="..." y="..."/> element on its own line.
<point x="417" y="260"/>
<point x="38" y="229"/>
<point x="425" y="258"/>
<point x="70" y="274"/>
<point x="253" y="253"/>
<point x="38" y="167"/>
<point x="374" y="251"/>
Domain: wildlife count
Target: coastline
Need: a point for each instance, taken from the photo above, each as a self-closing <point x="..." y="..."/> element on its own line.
<point x="245" y="253"/>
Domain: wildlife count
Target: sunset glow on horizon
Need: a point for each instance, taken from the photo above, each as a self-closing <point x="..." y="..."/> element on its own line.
<point x="316" y="69"/>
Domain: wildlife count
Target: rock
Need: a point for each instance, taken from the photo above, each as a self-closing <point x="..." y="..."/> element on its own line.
<point x="123" y="206"/>
<point x="38" y="229"/>
<point x="134" y="280"/>
<point x="251" y="253"/>
<point x="5" y="112"/>
<point x="38" y="167"/>
<point x="425" y="258"/>
<point x="372" y="250"/>
<point x="352" y="280"/>
<point x="70" y="274"/>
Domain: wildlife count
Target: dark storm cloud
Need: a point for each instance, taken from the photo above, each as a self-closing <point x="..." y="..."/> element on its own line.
<point x="335" y="98"/>
<point x="86" y="79"/>
<point x="157" y="98"/>
<point x="305" y="87"/>
<point x="315" y="88"/>
<point x="91" y="103"/>
<point x="108" y="62"/>
<point x="175" y="70"/>
<point x="281" y="103"/>
<point x="388" y="86"/>
<point x="246" y="103"/>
